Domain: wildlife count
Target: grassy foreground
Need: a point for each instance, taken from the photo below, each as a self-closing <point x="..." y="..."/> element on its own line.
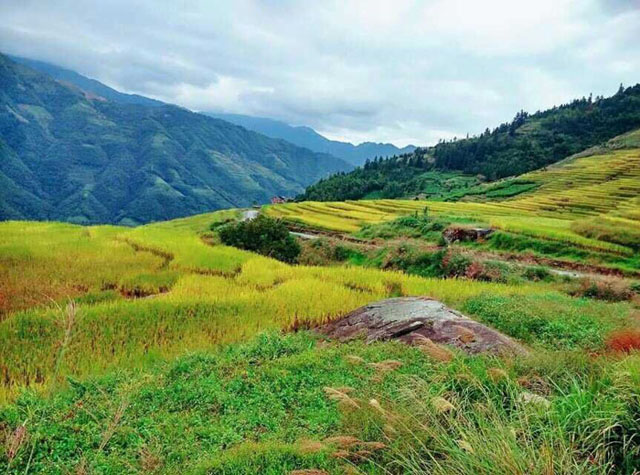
<point x="284" y="403"/>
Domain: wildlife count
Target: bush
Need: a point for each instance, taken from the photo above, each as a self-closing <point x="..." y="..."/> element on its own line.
<point x="624" y="340"/>
<point x="612" y="290"/>
<point x="536" y="273"/>
<point x="456" y="265"/>
<point x="264" y="235"/>
<point x="418" y="225"/>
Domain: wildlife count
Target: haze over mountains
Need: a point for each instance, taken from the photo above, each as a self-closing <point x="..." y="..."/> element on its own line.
<point x="297" y="135"/>
<point x="309" y="138"/>
<point x="75" y="155"/>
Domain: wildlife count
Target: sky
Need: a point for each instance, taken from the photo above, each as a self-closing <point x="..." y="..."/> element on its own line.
<point x="397" y="71"/>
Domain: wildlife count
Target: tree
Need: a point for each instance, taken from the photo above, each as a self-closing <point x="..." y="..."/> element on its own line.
<point x="264" y="235"/>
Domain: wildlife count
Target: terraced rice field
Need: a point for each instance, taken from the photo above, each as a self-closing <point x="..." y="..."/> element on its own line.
<point x="605" y="186"/>
<point x="197" y="296"/>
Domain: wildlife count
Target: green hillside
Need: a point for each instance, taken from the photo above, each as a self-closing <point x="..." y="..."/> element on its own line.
<point x="68" y="155"/>
<point x="528" y="142"/>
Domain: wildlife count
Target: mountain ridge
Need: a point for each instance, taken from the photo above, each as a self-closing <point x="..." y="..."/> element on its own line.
<point x="307" y="137"/>
<point x="67" y="156"/>
<point x="301" y="136"/>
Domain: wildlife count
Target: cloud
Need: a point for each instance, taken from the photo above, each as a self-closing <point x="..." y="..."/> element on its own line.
<point x="401" y="71"/>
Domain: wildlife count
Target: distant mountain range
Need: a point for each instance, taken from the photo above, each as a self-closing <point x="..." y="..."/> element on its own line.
<point x="309" y="138"/>
<point x="73" y="149"/>
<point x="300" y="136"/>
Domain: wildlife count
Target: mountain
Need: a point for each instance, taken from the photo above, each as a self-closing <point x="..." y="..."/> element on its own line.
<point x="301" y="136"/>
<point x="73" y="155"/>
<point x="528" y="142"/>
<point x="86" y="84"/>
<point x="309" y="138"/>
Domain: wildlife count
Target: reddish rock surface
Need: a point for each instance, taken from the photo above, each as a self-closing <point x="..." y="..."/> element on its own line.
<point x="411" y="319"/>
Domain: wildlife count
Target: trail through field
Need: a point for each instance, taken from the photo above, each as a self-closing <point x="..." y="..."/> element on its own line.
<point x="250" y="214"/>
<point x="304" y="235"/>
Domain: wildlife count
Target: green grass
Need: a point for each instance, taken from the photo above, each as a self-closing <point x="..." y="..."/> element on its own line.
<point x="262" y="407"/>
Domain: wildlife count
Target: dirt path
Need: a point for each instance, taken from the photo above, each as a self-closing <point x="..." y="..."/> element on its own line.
<point x="250" y="214"/>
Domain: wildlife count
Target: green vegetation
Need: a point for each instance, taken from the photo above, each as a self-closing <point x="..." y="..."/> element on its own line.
<point x="280" y="403"/>
<point x="264" y="235"/>
<point x="529" y="142"/>
<point x="583" y="209"/>
<point x="418" y="225"/>
<point x="72" y="156"/>
<point x="163" y="365"/>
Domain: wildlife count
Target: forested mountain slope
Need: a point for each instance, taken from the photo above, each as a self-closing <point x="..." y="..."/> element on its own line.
<point x="69" y="155"/>
<point x="527" y="143"/>
<point x="298" y="135"/>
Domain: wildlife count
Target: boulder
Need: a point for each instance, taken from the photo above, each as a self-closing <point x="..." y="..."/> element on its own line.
<point x="414" y="319"/>
<point x="454" y="234"/>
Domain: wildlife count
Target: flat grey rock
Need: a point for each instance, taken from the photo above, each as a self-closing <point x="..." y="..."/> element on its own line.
<point x="410" y="319"/>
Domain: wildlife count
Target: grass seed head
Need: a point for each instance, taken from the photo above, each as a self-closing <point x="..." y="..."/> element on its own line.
<point x="342" y="441"/>
<point x="387" y="365"/>
<point x="335" y="394"/>
<point x="534" y="399"/>
<point x="466" y="446"/>
<point x="353" y="359"/>
<point x="441" y="405"/>
<point x="16" y="441"/>
<point x="372" y="446"/>
<point x="497" y="374"/>
<point x="340" y="454"/>
<point x="435" y="351"/>
<point x="311" y="446"/>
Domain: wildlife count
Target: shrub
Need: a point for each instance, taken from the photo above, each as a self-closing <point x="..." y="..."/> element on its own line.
<point x="415" y="225"/>
<point x="455" y="265"/>
<point x="264" y="235"/>
<point x="536" y="273"/>
<point x="322" y="251"/>
<point x="612" y="290"/>
<point x="624" y="340"/>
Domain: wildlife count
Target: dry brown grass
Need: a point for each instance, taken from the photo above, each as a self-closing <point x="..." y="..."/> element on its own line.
<point x="307" y="446"/>
<point x="16" y="440"/>
<point x="355" y="359"/>
<point x="341" y="397"/>
<point x="433" y="350"/>
<point x="624" y="341"/>
<point x="342" y="441"/>
<point x="441" y="405"/>
<point x="497" y="374"/>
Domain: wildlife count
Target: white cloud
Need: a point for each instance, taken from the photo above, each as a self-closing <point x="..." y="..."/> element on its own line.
<point x="402" y="71"/>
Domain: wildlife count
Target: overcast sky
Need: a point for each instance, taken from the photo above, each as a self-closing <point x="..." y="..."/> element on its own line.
<point x="399" y="71"/>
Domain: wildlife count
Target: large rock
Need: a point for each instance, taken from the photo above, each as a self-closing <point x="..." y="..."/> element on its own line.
<point x="412" y="319"/>
<point x="455" y="234"/>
